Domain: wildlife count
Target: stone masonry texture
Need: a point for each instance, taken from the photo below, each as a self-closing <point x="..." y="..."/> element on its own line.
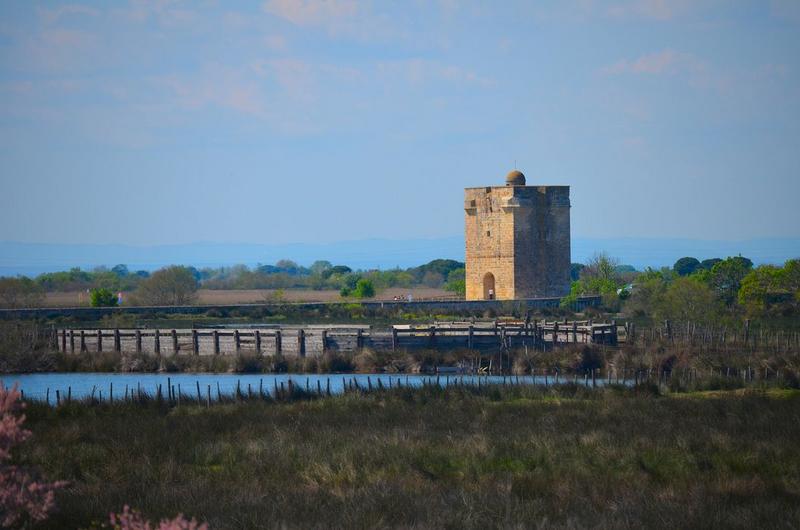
<point x="518" y="237"/>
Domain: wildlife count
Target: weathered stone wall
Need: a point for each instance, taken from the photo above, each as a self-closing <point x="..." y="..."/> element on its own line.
<point x="542" y="241"/>
<point x="521" y="236"/>
<point x="489" y="242"/>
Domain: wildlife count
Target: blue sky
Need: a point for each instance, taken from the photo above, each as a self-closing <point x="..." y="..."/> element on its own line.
<point x="282" y="121"/>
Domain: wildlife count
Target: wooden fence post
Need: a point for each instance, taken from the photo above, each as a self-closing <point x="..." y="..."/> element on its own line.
<point x="175" y="347"/>
<point x="257" y="334"/>
<point x="72" y="341"/>
<point x="575" y="331"/>
<point x="215" y="336"/>
<point x="195" y="343"/>
<point x="157" y="342"/>
<point x="471" y="337"/>
<point x="301" y="342"/>
<point x="432" y="337"/>
<point x="83" y="341"/>
<point x="64" y="340"/>
<point x="555" y="334"/>
<point x="394" y="338"/>
<point x="138" y="341"/>
<point x="359" y="339"/>
<point x="278" y="345"/>
<point x="99" y="340"/>
<point x="614" y="332"/>
<point x="117" y="341"/>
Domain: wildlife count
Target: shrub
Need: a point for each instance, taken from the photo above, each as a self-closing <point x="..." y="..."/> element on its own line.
<point x="249" y="364"/>
<point x="22" y="497"/>
<point x="169" y="286"/>
<point x="132" y="520"/>
<point x="364" y="289"/>
<point x="20" y="292"/>
<point x="103" y="298"/>
<point x="456" y="281"/>
<point x="686" y="266"/>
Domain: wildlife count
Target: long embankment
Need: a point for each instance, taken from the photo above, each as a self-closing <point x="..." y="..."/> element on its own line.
<point x="423" y="306"/>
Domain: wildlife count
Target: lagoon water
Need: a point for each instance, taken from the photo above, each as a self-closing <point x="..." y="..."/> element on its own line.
<point x="82" y="385"/>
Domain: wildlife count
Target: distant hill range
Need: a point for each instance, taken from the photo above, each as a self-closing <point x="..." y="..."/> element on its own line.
<point x="35" y="258"/>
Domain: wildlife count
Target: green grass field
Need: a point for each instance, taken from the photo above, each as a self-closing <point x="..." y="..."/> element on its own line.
<point x="432" y="458"/>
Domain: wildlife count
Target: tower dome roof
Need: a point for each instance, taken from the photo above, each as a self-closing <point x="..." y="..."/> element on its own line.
<point x="515" y="178"/>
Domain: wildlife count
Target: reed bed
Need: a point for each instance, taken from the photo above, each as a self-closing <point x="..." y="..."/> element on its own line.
<point x="460" y="456"/>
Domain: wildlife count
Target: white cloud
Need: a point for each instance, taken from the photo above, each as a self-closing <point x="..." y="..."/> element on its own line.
<point x="665" y="62"/>
<point x="218" y="86"/>
<point x="661" y="10"/>
<point x="422" y="71"/>
<point x="52" y="16"/>
<point x="786" y="9"/>
<point x="312" y="12"/>
<point x="352" y="18"/>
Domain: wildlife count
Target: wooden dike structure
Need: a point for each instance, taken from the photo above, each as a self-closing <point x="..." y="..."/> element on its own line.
<point x="315" y="340"/>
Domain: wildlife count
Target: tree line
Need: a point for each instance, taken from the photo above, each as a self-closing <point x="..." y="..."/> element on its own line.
<point x="706" y="291"/>
<point x="178" y="285"/>
<point x="700" y="291"/>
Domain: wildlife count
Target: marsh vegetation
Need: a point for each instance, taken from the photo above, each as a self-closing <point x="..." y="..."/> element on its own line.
<point x="460" y="457"/>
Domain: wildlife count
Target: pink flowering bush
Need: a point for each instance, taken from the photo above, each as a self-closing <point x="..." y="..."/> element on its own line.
<point x="22" y="497"/>
<point x="133" y="520"/>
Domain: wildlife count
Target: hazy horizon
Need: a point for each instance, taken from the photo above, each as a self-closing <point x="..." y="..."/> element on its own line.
<point x="32" y="258"/>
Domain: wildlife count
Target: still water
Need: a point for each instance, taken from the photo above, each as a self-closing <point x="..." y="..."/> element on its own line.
<point x="81" y="385"/>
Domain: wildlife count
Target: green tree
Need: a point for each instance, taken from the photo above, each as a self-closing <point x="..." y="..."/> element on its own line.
<point x="320" y="266"/>
<point x="457" y="281"/>
<point x="120" y="270"/>
<point x="686" y="266"/>
<point x="433" y="279"/>
<point x="708" y="264"/>
<point x="768" y="285"/>
<point x="336" y="270"/>
<point x="727" y="275"/>
<point x="20" y="292"/>
<point x="757" y="287"/>
<point x="791" y="277"/>
<point x="439" y="266"/>
<point x="173" y="285"/>
<point x="648" y="292"/>
<point x="290" y="267"/>
<point x="687" y="299"/>
<point x="364" y="289"/>
<point x="603" y="268"/>
<point x="102" y="297"/>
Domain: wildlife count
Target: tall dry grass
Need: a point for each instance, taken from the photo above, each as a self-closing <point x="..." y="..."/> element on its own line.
<point x="462" y="457"/>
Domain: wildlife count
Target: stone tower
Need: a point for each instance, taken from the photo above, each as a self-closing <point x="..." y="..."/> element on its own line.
<point x="518" y="241"/>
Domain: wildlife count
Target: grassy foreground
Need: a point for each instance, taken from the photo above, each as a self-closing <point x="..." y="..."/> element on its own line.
<point x="454" y="458"/>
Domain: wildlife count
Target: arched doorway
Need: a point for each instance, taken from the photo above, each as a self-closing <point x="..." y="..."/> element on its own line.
<point x="488" y="287"/>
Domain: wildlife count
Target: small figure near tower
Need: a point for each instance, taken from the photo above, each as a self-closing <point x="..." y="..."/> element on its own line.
<point x="517" y="240"/>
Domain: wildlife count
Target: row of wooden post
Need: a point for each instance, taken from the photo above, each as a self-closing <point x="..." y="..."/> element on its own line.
<point x="744" y="339"/>
<point x="590" y="377"/>
<point x="68" y="337"/>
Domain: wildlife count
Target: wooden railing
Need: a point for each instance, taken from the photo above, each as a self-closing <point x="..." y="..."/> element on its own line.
<point x="302" y="340"/>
